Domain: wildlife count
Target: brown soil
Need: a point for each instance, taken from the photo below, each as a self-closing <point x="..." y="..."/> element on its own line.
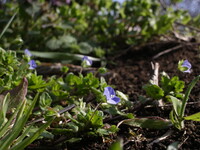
<point x="130" y="70"/>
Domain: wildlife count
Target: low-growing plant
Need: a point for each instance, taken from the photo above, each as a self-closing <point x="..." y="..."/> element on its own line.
<point x="67" y="27"/>
<point x="73" y="106"/>
<point x="86" y="91"/>
<point x="171" y="90"/>
<point x="56" y="95"/>
<point x="14" y="109"/>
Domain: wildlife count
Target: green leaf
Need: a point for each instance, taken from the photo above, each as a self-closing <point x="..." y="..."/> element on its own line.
<point x="122" y="95"/>
<point x="151" y="123"/>
<point x="37" y="82"/>
<point x="194" y="117"/>
<point x="173" y="84"/>
<point x="53" y="44"/>
<point x="44" y="134"/>
<point x="72" y="79"/>
<point x="97" y="119"/>
<point x="33" y="10"/>
<point x="16" y="95"/>
<point x="102" y="70"/>
<point x="5" y="128"/>
<point x="45" y="101"/>
<point x="73" y="140"/>
<point x="107" y="130"/>
<point x="175" y="120"/>
<point x="154" y="91"/>
<point x="91" y="80"/>
<point x="67" y="41"/>
<point x="23" y="135"/>
<point x="21" y="119"/>
<point x="187" y="94"/>
<point x="118" y="145"/>
<point x="38" y="86"/>
<point x="33" y="137"/>
<point x="61" y="131"/>
<point x="180" y="67"/>
<point x="64" y="69"/>
<point x="173" y="146"/>
<point x="177" y="104"/>
<point x="64" y="41"/>
<point x="14" y="132"/>
<point x="4" y="102"/>
<point x="178" y="85"/>
<point x="85" y="48"/>
<point x="61" y="56"/>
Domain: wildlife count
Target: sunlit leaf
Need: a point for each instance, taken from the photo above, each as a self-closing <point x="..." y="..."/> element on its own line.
<point x="154" y="91"/>
<point x="61" y="56"/>
<point x="173" y="146"/>
<point x="194" y="117"/>
<point x="85" y="48"/>
<point x="151" y="123"/>
<point x="118" y="145"/>
<point x="177" y="104"/>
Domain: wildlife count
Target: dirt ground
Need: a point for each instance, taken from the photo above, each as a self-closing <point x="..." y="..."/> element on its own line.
<point x="131" y="69"/>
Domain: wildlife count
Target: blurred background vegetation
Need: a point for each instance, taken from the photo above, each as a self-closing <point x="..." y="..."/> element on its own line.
<point x="97" y="28"/>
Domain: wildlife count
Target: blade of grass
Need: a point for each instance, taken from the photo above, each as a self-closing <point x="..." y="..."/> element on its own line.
<point x="187" y="94"/>
<point x="4" y="129"/>
<point x="3" y="108"/>
<point x="18" y="126"/>
<point x="24" y="134"/>
<point x="8" y="139"/>
<point x="33" y="137"/>
<point x="8" y="24"/>
<point x="60" y="55"/>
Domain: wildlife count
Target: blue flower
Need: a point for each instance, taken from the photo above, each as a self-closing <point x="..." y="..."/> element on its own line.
<point x="111" y="96"/>
<point x="32" y="64"/>
<point x="186" y="64"/>
<point x="27" y="52"/>
<point x="87" y="61"/>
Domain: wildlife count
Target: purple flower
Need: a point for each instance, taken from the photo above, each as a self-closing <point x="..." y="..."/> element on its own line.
<point x="32" y="64"/>
<point x="111" y="96"/>
<point x="27" y="52"/>
<point x="187" y="65"/>
<point x="87" y="61"/>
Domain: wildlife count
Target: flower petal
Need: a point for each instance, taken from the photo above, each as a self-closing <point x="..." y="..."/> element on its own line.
<point x="187" y="64"/>
<point x="87" y="60"/>
<point x="111" y="91"/>
<point x="115" y="100"/>
<point x="32" y="64"/>
<point x="27" y="52"/>
<point x="107" y="93"/>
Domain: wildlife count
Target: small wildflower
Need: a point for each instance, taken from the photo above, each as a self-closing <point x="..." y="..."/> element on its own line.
<point x="87" y="61"/>
<point x="185" y="66"/>
<point x="32" y="64"/>
<point x="111" y="96"/>
<point x="27" y="52"/>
